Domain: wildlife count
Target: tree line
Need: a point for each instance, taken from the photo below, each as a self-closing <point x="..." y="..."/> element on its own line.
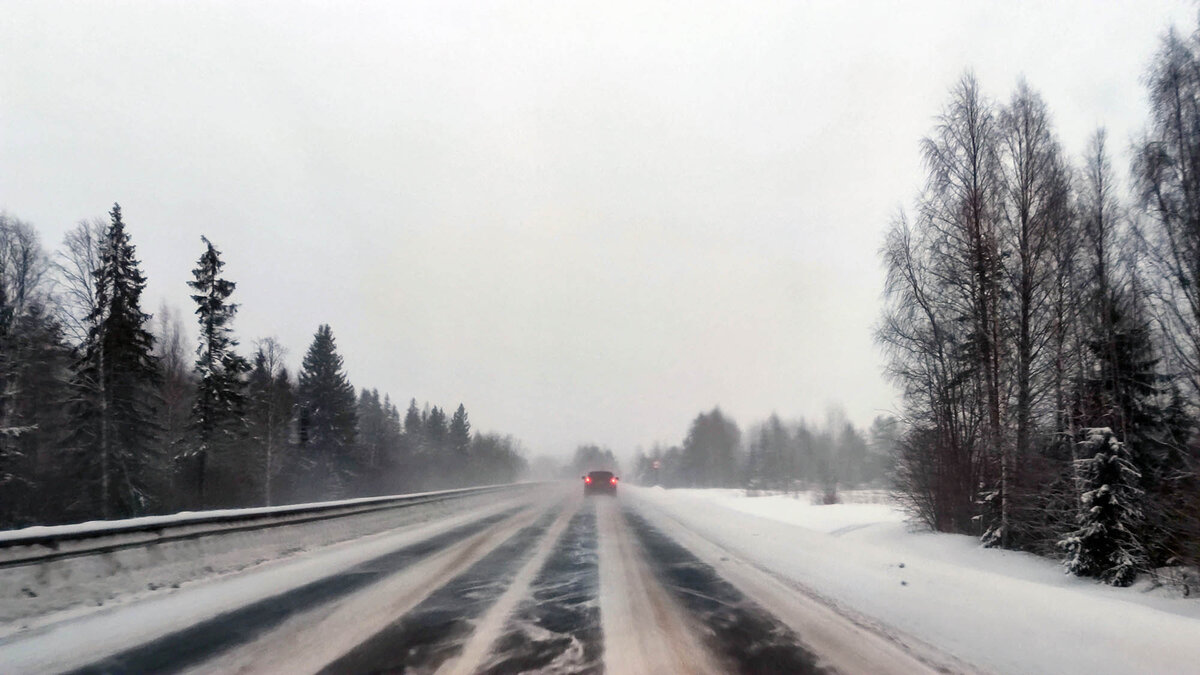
<point x="103" y="414"/>
<point x="772" y="455"/>
<point x="1043" y="325"/>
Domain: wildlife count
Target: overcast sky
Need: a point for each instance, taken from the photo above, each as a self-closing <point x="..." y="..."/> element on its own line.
<point x="586" y="222"/>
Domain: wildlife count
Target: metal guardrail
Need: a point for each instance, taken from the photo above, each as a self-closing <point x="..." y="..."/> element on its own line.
<point x="52" y="543"/>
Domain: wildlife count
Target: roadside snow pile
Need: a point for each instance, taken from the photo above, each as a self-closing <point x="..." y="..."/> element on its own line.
<point x="799" y="510"/>
<point x="1003" y="611"/>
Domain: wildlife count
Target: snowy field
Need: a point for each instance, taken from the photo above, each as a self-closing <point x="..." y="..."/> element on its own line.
<point x="860" y="508"/>
<point x="1000" y="610"/>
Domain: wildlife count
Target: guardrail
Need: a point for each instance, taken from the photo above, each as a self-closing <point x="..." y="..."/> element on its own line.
<point x="43" y="544"/>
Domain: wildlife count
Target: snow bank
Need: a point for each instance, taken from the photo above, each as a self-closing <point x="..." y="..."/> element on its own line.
<point x="1001" y="610"/>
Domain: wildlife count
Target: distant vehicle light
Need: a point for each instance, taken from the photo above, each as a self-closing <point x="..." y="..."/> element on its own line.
<point x="613" y="480"/>
<point x="587" y="479"/>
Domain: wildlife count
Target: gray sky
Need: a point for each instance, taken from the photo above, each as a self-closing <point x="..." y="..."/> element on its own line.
<point x="587" y="222"/>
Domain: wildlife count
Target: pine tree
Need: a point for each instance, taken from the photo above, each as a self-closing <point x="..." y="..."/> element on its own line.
<point x="218" y="415"/>
<point x="115" y="380"/>
<point x="1107" y="543"/>
<point x="327" y="406"/>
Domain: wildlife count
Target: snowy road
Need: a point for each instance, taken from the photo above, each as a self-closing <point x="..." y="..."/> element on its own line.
<point x="545" y="581"/>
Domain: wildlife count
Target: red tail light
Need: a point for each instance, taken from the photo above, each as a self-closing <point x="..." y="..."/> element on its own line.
<point x="587" y="479"/>
<point x="613" y="480"/>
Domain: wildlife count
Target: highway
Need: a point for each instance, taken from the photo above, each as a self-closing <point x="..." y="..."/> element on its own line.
<point x="541" y="579"/>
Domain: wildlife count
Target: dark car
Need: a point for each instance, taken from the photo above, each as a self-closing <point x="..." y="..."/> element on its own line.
<point x="600" y="481"/>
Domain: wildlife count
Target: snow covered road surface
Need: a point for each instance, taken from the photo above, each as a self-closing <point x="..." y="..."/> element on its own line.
<point x="163" y="631"/>
<point x="48" y="574"/>
<point x="644" y="631"/>
<point x="651" y="581"/>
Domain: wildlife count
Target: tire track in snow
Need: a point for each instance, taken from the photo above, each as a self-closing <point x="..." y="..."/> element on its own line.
<point x="741" y="633"/>
<point x="557" y="629"/>
<point x="437" y="628"/>
<point x="193" y="645"/>
<point x="478" y="648"/>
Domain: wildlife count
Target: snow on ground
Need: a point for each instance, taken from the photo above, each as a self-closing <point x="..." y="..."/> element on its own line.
<point x="798" y="509"/>
<point x="1004" y="611"/>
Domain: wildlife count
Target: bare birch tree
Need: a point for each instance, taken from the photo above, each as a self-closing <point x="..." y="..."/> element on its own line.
<point x="76" y="266"/>
<point x="961" y="209"/>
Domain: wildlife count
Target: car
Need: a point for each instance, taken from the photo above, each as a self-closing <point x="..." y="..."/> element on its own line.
<point x="600" y="481"/>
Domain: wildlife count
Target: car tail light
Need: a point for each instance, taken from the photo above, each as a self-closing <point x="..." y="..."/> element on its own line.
<point x="588" y="479"/>
<point x="613" y="480"/>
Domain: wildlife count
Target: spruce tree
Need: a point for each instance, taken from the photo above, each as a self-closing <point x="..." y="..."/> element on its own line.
<point x="371" y="424"/>
<point x="218" y="415"/>
<point x="393" y="426"/>
<point x="15" y="480"/>
<point x="412" y="419"/>
<point x="459" y="441"/>
<point x="409" y="448"/>
<point x="372" y="441"/>
<point x="39" y="411"/>
<point x="34" y="362"/>
<point x="1123" y="391"/>
<point x="258" y="395"/>
<point x="437" y="464"/>
<point x="327" y="408"/>
<point x="1107" y="542"/>
<point x="436" y="429"/>
<point x="460" y="431"/>
<point x="115" y="380"/>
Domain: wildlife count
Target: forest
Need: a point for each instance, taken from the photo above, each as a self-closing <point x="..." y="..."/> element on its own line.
<point x="772" y="456"/>
<point x="1042" y="322"/>
<point x="104" y="413"/>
